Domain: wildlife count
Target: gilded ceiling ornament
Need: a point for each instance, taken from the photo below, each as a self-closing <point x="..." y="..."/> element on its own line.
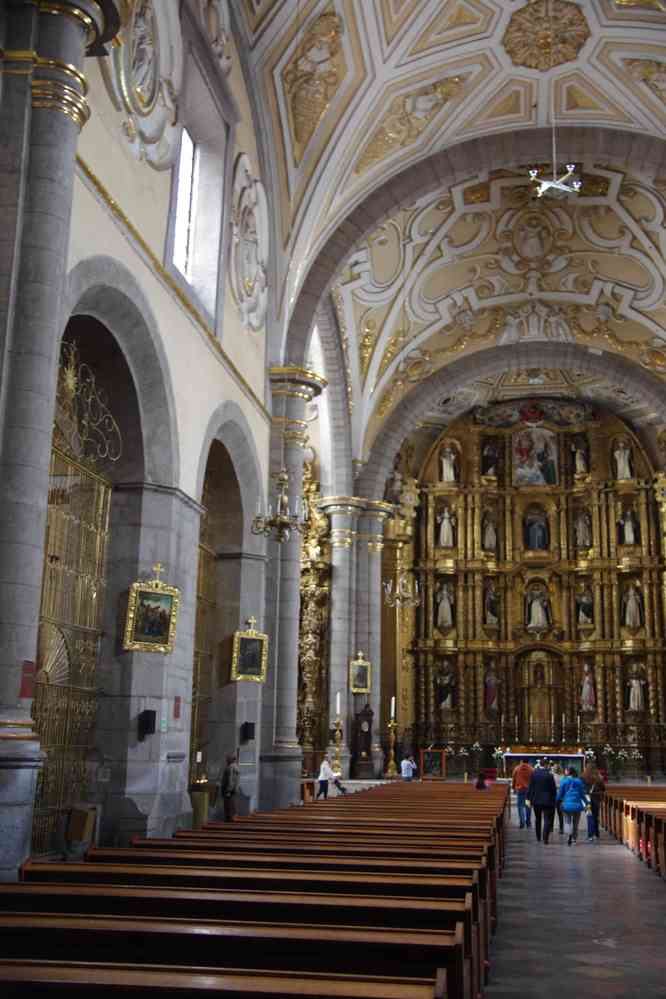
<point x="143" y="78"/>
<point x="651" y="73"/>
<point x="542" y="34"/>
<point x="406" y="118"/>
<point x="312" y="77"/>
<point x="642" y="4"/>
<point x="249" y="245"/>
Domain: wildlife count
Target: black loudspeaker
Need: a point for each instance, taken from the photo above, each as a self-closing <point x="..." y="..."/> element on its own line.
<point x="146" y="723"/>
<point x="247" y="732"/>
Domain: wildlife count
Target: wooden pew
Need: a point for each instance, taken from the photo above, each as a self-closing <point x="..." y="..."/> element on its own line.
<point x="20" y="979"/>
<point x="220" y="944"/>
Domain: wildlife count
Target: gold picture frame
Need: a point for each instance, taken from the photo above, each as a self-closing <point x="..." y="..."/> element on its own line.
<point x="249" y="655"/>
<point x="360" y="674"/>
<point x="152" y="615"/>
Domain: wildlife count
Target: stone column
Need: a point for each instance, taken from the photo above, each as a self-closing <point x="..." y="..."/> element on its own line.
<point x="282" y="756"/>
<point x="369" y="609"/>
<point x="343" y="512"/>
<point x="42" y="108"/>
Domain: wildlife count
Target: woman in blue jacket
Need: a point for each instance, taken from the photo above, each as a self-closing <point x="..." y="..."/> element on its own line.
<point x="572" y="797"/>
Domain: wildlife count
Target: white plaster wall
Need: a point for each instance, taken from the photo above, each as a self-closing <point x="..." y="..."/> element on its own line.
<point x="199" y="378"/>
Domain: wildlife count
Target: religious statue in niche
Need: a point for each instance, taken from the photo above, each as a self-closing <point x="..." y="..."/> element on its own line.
<point x="584" y="607"/>
<point x="445" y="605"/>
<point x="582" y="528"/>
<point x="144" y="52"/>
<point x="635" y="691"/>
<point x="448" y="464"/>
<point x="250" y="244"/>
<point x="491" y="692"/>
<point x="489" y="457"/>
<point x="445" y="687"/>
<point x="536" y="533"/>
<point x="490" y="604"/>
<point x="533" y="237"/>
<point x="446" y="521"/>
<point x="489" y="532"/>
<point x="628" y="528"/>
<point x="588" y="694"/>
<point x="538" y="614"/>
<point x="534" y="457"/>
<point x="622" y="460"/>
<point x="633" y="610"/>
<point x="581" y="455"/>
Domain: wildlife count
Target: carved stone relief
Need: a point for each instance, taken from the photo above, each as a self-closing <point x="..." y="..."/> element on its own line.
<point x="249" y="245"/>
<point x="542" y="35"/>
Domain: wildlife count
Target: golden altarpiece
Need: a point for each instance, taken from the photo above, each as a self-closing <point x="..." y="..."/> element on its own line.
<point x="537" y="547"/>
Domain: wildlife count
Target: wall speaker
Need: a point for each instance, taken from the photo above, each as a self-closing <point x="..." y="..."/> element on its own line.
<point x="147" y="720"/>
<point x="247" y="731"/>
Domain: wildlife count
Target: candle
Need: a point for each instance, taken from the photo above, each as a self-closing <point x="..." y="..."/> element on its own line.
<point x="337" y="703"/>
<point x="392" y="708"/>
<point x="199" y="756"/>
<point x="258" y="506"/>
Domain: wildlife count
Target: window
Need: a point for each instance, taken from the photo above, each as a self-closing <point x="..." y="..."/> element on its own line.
<point x="186" y="206"/>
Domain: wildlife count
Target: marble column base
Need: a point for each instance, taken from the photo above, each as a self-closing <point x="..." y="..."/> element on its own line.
<point x="280" y="778"/>
<point x="20" y="761"/>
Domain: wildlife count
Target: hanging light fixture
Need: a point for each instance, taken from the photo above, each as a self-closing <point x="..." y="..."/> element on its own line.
<point x="568" y="183"/>
<point x="405" y="594"/>
<point x="283" y="521"/>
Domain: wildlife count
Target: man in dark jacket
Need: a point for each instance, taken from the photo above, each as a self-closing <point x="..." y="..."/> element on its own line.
<point x="542" y="794"/>
<point x="229" y="787"/>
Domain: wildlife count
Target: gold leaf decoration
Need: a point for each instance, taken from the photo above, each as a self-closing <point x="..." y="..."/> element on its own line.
<point x="543" y="35"/>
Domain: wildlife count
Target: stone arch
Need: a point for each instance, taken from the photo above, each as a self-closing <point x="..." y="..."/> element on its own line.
<point x="105" y="289"/>
<point x="495" y="361"/>
<point x="228" y="425"/>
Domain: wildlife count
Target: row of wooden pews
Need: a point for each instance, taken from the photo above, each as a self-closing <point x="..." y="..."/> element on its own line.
<point x="391" y="892"/>
<point x="636" y="816"/>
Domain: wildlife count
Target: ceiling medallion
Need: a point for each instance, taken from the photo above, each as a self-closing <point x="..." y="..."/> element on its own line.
<point x="542" y="35"/>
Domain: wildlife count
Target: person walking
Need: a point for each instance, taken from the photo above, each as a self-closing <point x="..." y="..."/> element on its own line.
<point x="408" y="768"/>
<point x="229" y="787"/>
<point x="542" y="793"/>
<point x="326" y="774"/>
<point x="557" y="777"/>
<point x="596" y="789"/>
<point x="573" y="798"/>
<point x="520" y="782"/>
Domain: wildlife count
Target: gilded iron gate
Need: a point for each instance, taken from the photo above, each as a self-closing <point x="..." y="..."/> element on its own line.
<point x="73" y="590"/>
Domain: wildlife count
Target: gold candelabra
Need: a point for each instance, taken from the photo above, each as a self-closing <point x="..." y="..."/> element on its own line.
<point x="337" y="764"/>
<point x="391" y="766"/>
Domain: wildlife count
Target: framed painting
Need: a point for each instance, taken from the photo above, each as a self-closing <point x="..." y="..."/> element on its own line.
<point x="360" y="675"/>
<point x="152" y="616"/>
<point x="249" y="655"/>
<point x="534" y="457"/>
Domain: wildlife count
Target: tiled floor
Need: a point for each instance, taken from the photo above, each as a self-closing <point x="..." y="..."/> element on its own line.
<point x="587" y="921"/>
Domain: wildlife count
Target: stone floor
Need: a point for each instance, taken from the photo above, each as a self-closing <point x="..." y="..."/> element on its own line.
<point x="587" y="921"/>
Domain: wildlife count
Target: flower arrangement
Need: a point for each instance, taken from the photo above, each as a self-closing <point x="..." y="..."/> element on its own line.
<point x="476" y="748"/>
<point x="590" y="755"/>
<point x="636" y="755"/>
<point x="463" y="751"/>
<point x="498" y="754"/>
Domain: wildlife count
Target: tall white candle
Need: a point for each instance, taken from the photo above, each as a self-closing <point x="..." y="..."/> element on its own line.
<point x="393" y="707"/>
<point x="337" y="703"/>
<point x="199" y="756"/>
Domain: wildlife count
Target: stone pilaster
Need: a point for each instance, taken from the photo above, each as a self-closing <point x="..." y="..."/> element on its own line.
<point x="42" y="108"/>
<point x="281" y="755"/>
<point x="343" y="512"/>
<point x="369" y="608"/>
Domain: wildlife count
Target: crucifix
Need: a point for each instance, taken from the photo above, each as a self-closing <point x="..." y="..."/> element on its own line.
<point x="251" y="621"/>
<point x="158" y="569"/>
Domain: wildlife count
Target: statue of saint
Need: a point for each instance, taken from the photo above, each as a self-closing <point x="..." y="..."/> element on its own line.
<point x="489" y="458"/>
<point x="579" y="451"/>
<point x="445" y="683"/>
<point x="582" y="526"/>
<point x="588" y="696"/>
<point x="491" y="692"/>
<point x="535" y="531"/>
<point x="585" y="607"/>
<point x="622" y="459"/>
<point x="444" y="602"/>
<point x="537" y="610"/>
<point x="491" y="604"/>
<point x="489" y="533"/>
<point x="628" y="528"/>
<point x="632" y="607"/>
<point x="447" y="523"/>
<point x="635" y="692"/>
<point x="447" y="464"/>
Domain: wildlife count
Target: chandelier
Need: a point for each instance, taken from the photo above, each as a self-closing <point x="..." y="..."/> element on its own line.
<point x="404" y="595"/>
<point x="280" y="524"/>
<point x="568" y="182"/>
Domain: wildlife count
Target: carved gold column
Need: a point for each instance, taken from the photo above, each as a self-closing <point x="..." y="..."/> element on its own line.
<point x="601" y="688"/>
<point x="619" y="692"/>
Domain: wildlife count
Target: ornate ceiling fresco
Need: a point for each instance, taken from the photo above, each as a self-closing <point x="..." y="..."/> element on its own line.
<point x="488" y="264"/>
<point x="350" y="92"/>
